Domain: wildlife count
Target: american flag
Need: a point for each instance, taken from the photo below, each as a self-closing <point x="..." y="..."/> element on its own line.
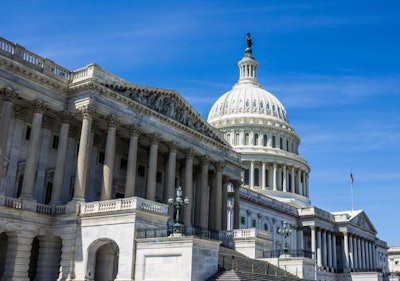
<point x="351" y="178"/>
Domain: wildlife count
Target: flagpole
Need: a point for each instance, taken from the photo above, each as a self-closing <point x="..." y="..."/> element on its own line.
<point x="352" y="197"/>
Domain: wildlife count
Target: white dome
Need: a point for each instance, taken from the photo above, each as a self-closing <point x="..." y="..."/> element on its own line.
<point x="247" y="99"/>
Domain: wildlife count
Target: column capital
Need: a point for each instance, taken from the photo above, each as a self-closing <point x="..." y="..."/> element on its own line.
<point x="65" y="116"/>
<point x="39" y="106"/>
<point x="172" y="146"/>
<point x="154" y="138"/>
<point x="205" y="160"/>
<point x="8" y="94"/>
<point x="219" y="166"/>
<point x="112" y="121"/>
<point x="134" y="131"/>
<point x="189" y="153"/>
<point x="87" y="110"/>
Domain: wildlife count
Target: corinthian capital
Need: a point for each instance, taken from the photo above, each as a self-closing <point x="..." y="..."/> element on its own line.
<point x="8" y="94"/>
<point x="112" y="121"/>
<point x="65" y="116"/>
<point x="87" y="110"/>
<point x="39" y="106"/>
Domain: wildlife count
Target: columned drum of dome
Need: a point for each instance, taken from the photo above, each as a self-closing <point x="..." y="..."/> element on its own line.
<point x="256" y="124"/>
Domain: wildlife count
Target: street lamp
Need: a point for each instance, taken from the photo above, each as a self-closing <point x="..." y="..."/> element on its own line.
<point x="178" y="206"/>
<point x="285" y="233"/>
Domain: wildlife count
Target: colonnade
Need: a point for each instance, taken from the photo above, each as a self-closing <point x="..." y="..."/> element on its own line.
<point x="277" y="177"/>
<point x="209" y="180"/>
<point x="357" y="253"/>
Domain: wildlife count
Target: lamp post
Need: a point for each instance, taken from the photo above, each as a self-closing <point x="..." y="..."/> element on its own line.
<point x="178" y="205"/>
<point x="285" y="232"/>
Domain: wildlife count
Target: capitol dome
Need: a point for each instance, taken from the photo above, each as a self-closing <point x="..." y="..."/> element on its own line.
<point x="255" y="123"/>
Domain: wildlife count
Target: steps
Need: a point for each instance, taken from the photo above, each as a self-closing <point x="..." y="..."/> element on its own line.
<point x="234" y="266"/>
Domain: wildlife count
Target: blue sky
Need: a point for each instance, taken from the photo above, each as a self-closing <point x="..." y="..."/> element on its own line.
<point x="333" y="64"/>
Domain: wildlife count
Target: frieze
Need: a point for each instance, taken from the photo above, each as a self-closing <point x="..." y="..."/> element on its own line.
<point x="167" y="105"/>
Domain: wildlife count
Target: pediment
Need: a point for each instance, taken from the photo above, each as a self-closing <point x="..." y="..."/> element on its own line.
<point x="170" y="104"/>
<point x="362" y="220"/>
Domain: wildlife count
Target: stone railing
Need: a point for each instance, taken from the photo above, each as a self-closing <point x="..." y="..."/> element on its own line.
<point x="28" y="205"/>
<point x="123" y="204"/>
<point x="258" y="197"/>
<point x="22" y="55"/>
<point x="15" y="203"/>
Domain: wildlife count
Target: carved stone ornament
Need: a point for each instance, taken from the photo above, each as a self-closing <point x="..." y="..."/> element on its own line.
<point x="87" y="111"/>
<point x="219" y="166"/>
<point x="39" y="106"/>
<point x="48" y="122"/>
<point x="8" y="94"/>
<point x="112" y="121"/>
<point x="154" y="139"/>
<point x="189" y="153"/>
<point x="166" y="104"/>
<point x="19" y="112"/>
<point x="65" y="116"/>
<point x="173" y="146"/>
<point x="134" y="131"/>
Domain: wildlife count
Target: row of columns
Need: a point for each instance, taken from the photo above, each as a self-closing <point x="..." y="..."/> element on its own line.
<point x="262" y="140"/>
<point x="358" y="253"/>
<point x="278" y="178"/>
<point x="85" y="142"/>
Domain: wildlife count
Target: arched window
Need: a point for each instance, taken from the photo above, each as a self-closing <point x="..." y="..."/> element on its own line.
<point x="246" y="177"/>
<point x="287" y="145"/>
<point x="280" y="143"/>
<point x="237" y="138"/>
<point x="255" y="141"/>
<point x="265" y="140"/>
<point x="246" y="139"/>
<point x="228" y="138"/>
<point x="247" y="103"/>
<point x="273" y="142"/>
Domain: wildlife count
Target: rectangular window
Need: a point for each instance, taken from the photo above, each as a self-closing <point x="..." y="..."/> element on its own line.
<point x="54" y="143"/>
<point x="28" y="132"/>
<point x="253" y="223"/>
<point x="123" y="164"/>
<point x="242" y="220"/>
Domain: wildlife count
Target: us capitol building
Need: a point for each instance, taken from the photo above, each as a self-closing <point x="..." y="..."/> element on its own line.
<point x="103" y="179"/>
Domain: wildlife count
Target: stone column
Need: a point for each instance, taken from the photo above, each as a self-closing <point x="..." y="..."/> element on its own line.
<point x="351" y="256"/>
<point x="324" y="253"/>
<point x="334" y="251"/>
<point x="319" y="250"/>
<point x="8" y="95"/>
<point x="204" y="193"/>
<point x="298" y="174"/>
<point x="34" y="147"/>
<point x="170" y="186"/>
<point x="48" y="259"/>
<point x="284" y="180"/>
<point x="251" y="174"/>
<point x="359" y="257"/>
<point x="188" y="220"/>
<point x="292" y="184"/>
<point x="108" y="167"/>
<point x="263" y="175"/>
<point x="313" y="240"/>
<point x="371" y="258"/>
<point x="236" y="205"/>
<point x="87" y="112"/>
<point x="218" y="202"/>
<point x="355" y="253"/>
<point x="58" y="180"/>
<point x="224" y="205"/>
<point x="346" y="249"/>
<point x="274" y="168"/>
<point x="132" y="162"/>
<point x="18" y="255"/>
<point x="152" y="171"/>
<point x="364" y="254"/>
<point x="329" y="251"/>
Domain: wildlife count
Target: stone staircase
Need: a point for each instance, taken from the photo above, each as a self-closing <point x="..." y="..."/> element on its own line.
<point x="234" y="266"/>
